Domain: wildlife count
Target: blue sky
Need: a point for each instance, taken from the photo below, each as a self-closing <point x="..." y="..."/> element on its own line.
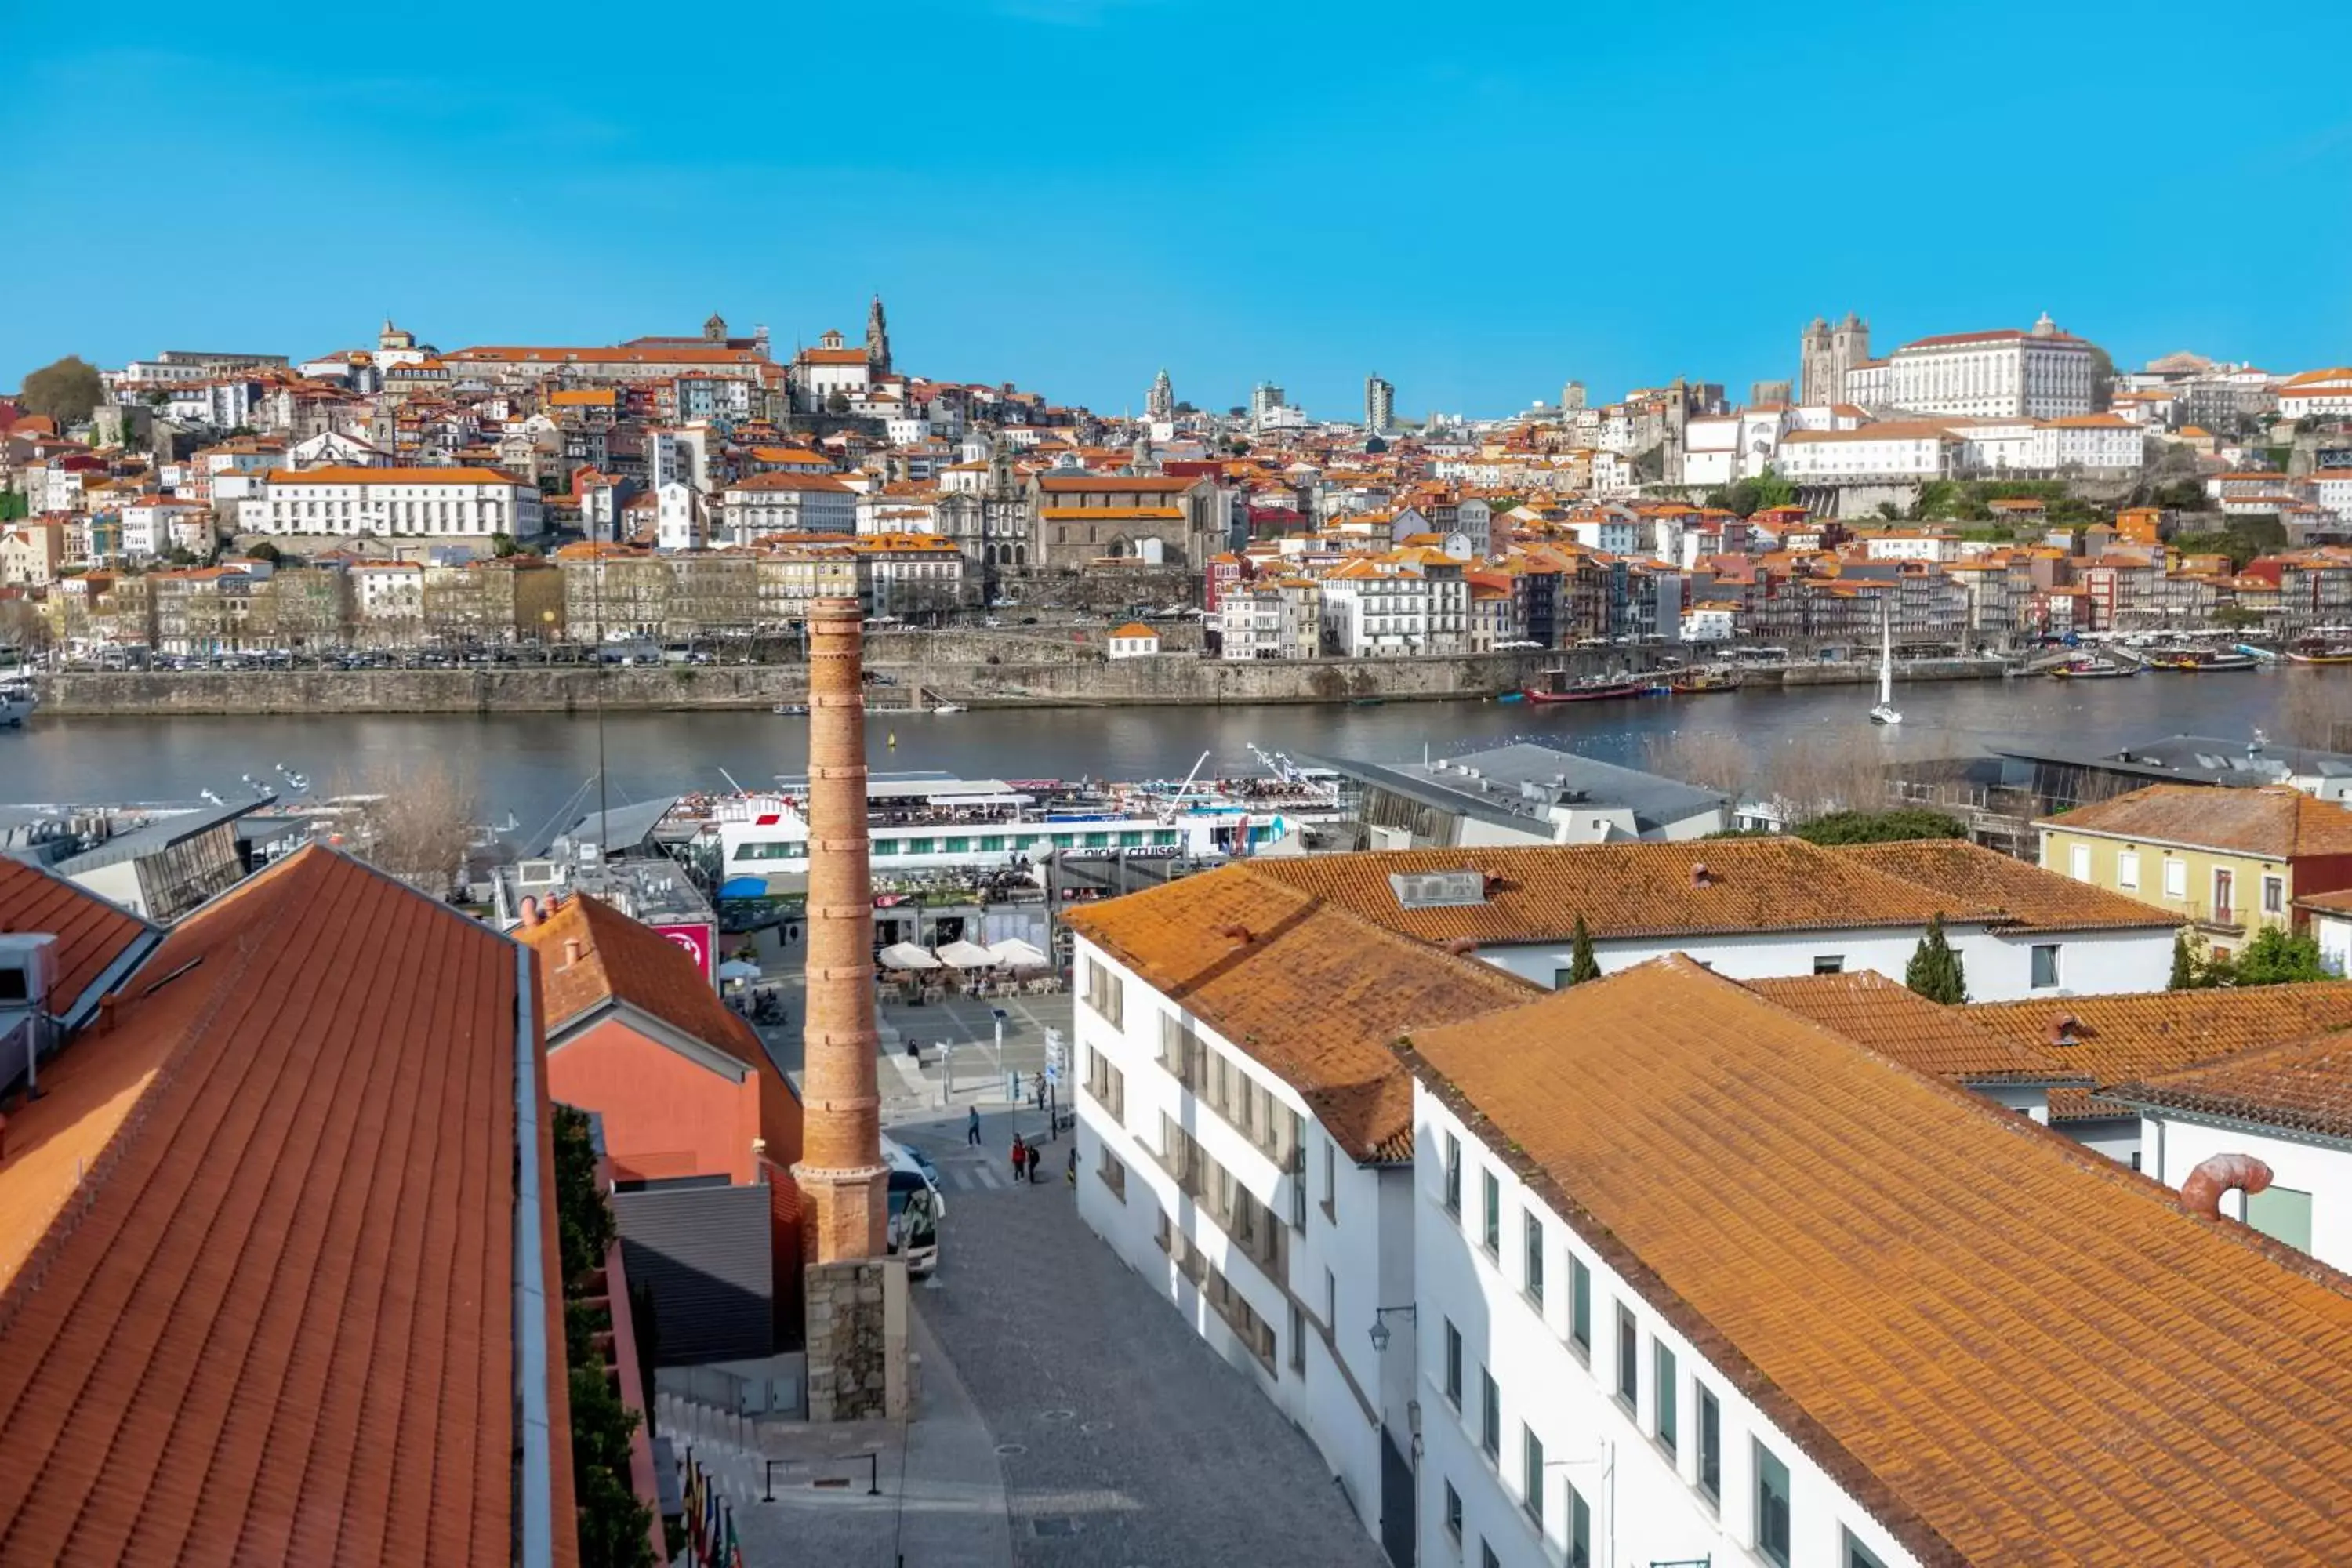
<point x="1476" y="202"/>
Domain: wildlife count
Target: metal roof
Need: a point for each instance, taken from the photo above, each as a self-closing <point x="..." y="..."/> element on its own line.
<point x="1517" y="786"/>
<point x="158" y="836"/>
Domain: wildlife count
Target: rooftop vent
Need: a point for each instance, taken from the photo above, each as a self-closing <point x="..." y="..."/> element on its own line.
<point x="1438" y="889"/>
<point x="1700" y="876"/>
<point x="2065" y="1030"/>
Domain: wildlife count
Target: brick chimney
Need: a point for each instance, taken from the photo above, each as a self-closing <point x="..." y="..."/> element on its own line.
<point x="840" y="1171"/>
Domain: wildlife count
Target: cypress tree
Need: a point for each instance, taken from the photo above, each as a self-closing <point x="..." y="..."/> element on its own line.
<point x="1581" y="965"/>
<point x="2184" y="964"/>
<point x="1934" y="971"/>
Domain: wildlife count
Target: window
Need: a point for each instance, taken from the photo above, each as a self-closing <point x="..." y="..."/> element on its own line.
<point x="1452" y="1175"/>
<point x="1486" y="1558"/>
<point x="1106" y="993"/>
<point x="1490" y="1415"/>
<point x="1580" y="1307"/>
<point x="1629" y="1359"/>
<point x="1330" y="1298"/>
<point x="2127" y="870"/>
<point x="1112" y="1170"/>
<point x="1330" y="1180"/>
<point x="1490" y="1192"/>
<point x="2176" y="878"/>
<point x="1453" y="1511"/>
<point x="1297" y="1339"/>
<point x="1829" y="963"/>
<point x="1298" y="1203"/>
<point x="1663" y="1395"/>
<point x="1453" y="1364"/>
<point x="2045" y="964"/>
<point x="1771" y="1507"/>
<point x="2078" y="862"/>
<point x="1579" y="1529"/>
<point x="2283" y="1215"/>
<point x="1854" y="1554"/>
<point x="1533" y="1264"/>
<point x="2225" y="893"/>
<point x="1532" y="1487"/>
<point x="1710" y="1443"/>
<point x="2273" y="895"/>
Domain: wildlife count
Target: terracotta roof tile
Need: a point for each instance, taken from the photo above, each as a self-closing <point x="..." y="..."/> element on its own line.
<point x="1535" y="893"/>
<point x="93" y="933"/>
<point x="2304" y="1086"/>
<point x="2114" y="1040"/>
<point x="2274" y="822"/>
<point x="1314" y="993"/>
<point x="1895" y="1021"/>
<point x="2010" y="1349"/>
<point x="623" y="960"/>
<point x="276" y="1323"/>
<point x="1972" y="877"/>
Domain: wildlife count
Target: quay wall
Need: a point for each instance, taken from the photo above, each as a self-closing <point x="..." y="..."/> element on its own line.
<point x="1172" y="680"/>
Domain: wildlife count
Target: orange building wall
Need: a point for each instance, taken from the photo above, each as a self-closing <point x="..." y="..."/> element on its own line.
<point x="663" y="1115"/>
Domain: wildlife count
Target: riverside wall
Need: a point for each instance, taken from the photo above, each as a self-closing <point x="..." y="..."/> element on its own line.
<point x="1167" y="680"/>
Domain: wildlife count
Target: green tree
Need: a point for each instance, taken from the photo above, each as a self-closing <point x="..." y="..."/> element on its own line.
<point x="836" y="402"/>
<point x="1934" y="971"/>
<point x="2102" y="379"/>
<point x="2277" y="956"/>
<point x="503" y="545"/>
<point x="1892" y="826"/>
<point x="582" y="1208"/>
<point x="1581" y="965"/>
<point x="262" y="550"/>
<point x="2236" y="617"/>
<point x="2188" y="974"/>
<point x="13" y="505"/>
<point x="66" y="390"/>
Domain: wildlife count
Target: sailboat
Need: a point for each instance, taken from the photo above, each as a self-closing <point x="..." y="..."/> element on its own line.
<point x="1884" y="712"/>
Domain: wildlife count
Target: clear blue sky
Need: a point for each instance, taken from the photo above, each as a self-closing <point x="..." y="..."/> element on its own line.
<point x="1476" y="202"/>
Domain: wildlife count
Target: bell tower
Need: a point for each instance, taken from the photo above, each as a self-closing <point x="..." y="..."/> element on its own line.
<point x="878" y="338"/>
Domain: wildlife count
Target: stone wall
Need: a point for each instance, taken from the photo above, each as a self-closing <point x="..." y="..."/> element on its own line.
<point x="858" y="1362"/>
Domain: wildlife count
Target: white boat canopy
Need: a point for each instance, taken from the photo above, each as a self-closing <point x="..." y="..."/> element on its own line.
<point x="906" y="955"/>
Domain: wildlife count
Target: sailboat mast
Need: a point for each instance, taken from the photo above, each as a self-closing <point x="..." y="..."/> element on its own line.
<point x="1886" y="657"/>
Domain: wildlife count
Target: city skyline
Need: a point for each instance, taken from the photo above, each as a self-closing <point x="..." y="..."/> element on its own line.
<point x="627" y="225"/>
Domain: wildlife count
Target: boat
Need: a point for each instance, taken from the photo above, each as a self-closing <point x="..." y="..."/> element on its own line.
<point x="949" y="708"/>
<point x="1884" y="711"/>
<point x="1510" y="697"/>
<point x="2090" y="667"/>
<point x="2198" y="661"/>
<point x="2320" y="650"/>
<point x="16" y="704"/>
<point x="791" y="709"/>
<point x="1704" y="678"/>
<point x="1558" y="688"/>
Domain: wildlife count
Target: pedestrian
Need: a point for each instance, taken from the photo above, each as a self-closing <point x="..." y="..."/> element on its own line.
<point x="1040" y="1095"/>
<point x="1035" y="1159"/>
<point x="1071" y="1172"/>
<point x="971" y="1126"/>
<point x="1020" y="1157"/>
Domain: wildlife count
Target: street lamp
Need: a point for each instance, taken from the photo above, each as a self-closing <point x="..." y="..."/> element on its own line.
<point x="1380" y="1329"/>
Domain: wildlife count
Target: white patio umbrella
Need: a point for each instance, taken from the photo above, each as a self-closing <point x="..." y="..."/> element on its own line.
<point x="967" y="955"/>
<point x="906" y="955"/>
<point x="1014" y="953"/>
<point x="736" y="969"/>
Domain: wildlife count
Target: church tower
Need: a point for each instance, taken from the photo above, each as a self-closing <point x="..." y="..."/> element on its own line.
<point x="840" y="1174"/>
<point x="1159" y="402"/>
<point x="715" y="330"/>
<point x="878" y="339"/>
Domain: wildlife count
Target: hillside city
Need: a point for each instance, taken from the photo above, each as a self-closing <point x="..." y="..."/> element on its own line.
<point x="1970" y="490"/>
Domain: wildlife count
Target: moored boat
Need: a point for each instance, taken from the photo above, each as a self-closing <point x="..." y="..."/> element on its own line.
<point x="2198" y="661"/>
<point x="2092" y="668"/>
<point x="1591" y="688"/>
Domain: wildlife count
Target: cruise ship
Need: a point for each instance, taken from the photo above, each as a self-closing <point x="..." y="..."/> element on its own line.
<point x="938" y="822"/>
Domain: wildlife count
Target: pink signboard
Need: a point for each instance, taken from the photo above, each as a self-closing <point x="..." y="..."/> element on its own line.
<point x="698" y="938"/>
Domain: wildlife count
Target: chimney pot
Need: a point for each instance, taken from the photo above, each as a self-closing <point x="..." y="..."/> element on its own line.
<point x="2201" y="1193"/>
<point x="529" y="912"/>
<point x="573" y="951"/>
<point x="1700" y="876"/>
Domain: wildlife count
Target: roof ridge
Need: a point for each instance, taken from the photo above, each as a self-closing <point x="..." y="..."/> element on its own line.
<point x="1468" y="965"/>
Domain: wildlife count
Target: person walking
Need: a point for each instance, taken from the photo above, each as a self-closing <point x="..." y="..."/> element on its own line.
<point x="1020" y="1157"/>
<point x="1035" y="1159"/>
<point x="1071" y="1172"/>
<point x="971" y="1127"/>
<point x="1040" y="1095"/>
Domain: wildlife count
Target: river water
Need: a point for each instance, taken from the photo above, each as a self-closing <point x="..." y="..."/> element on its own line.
<point x="534" y="765"/>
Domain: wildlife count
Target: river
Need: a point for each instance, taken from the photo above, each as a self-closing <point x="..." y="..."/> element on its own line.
<point x="534" y="764"/>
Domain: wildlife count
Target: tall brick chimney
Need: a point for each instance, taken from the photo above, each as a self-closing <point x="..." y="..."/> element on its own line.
<point x="840" y="1172"/>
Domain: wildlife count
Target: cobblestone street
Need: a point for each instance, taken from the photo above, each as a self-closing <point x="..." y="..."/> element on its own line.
<point x="1126" y="1442"/>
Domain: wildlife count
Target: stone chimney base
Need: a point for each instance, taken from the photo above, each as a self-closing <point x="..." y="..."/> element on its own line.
<point x="858" y="1362"/>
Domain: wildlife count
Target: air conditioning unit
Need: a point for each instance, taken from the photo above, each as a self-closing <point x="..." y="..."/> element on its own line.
<point x="28" y="973"/>
<point x="1437" y="889"/>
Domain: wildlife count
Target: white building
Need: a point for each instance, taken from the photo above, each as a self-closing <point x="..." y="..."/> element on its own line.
<point x="1279" y="617"/>
<point x="786" y="502"/>
<point x="447" y="503"/>
<point x="2331" y="923"/>
<point x="1896" y="451"/>
<point x="387" y="598"/>
<point x="681" y="522"/>
<point x="2039" y="373"/>
<point x="1244" y="1142"/>
<point x="1695" y="1279"/>
<point x="1754" y="909"/>
<point x="2102" y="445"/>
<point x="1133" y="640"/>
<point x="1408" y="601"/>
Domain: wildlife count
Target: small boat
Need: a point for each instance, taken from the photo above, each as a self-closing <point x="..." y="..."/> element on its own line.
<point x="1510" y="697"/>
<point x="1591" y="688"/>
<point x="2198" y="661"/>
<point x="15" y="705"/>
<point x="2090" y="668"/>
<point x="1366" y="701"/>
<point x="1884" y="711"/>
<point x="949" y="708"/>
<point x="791" y="709"/>
<point x="1703" y="679"/>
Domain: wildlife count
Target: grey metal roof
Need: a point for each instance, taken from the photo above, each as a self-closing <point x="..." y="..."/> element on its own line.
<point x="621" y="826"/>
<point x="1517" y="784"/>
<point x="157" y="836"/>
<point x="2192" y="759"/>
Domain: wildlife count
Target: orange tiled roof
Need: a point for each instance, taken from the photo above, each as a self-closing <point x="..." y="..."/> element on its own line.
<point x="623" y="960"/>
<point x="2035" y="900"/>
<point x="1895" y="1021"/>
<point x="281" y="1315"/>
<point x="93" y="935"/>
<point x="1139" y="484"/>
<point x="2276" y="822"/>
<point x="2009" y="1349"/>
<point x="2304" y="1086"/>
<point x="2114" y="1039"/>
<point x="1302" y="986"/>
<point x="1535" y="893"/>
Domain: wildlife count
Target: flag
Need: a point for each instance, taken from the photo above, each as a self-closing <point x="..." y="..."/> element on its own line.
<point x="710" y="1528"/>
<point x="694" y="1490"/>
<point x="733" y="1557"/>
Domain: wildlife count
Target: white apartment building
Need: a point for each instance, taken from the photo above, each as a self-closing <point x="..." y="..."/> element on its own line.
<point x="1695" y="1279"/>
<point x="435" y="503"/>
<point x="2318" y="400"/>
<point x="2107" y="445"/>
<point x="681" y="521"/>
<point x="1277" y="618"/>
<point x="2039" y="373"/>
<point x="1894" y="451"/>
<point x="154" y="525"/>
<point x="1412" y="601"/>
<point x="387" y="598"/>
<point x="1271" y="1208"/>
<point x="783" y="502"/>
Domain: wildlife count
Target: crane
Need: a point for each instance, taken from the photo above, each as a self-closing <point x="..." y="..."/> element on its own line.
<point x="1166" y="814"/>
